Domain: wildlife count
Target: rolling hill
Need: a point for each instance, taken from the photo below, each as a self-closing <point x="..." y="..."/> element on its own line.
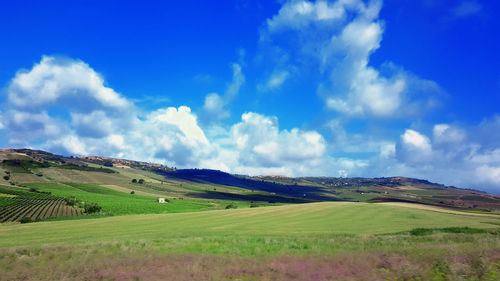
<point x="68" y="186"/>
<point x="98" y="219"/>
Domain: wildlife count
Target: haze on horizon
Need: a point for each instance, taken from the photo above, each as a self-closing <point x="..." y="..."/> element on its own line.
<point x="296" y="88"/>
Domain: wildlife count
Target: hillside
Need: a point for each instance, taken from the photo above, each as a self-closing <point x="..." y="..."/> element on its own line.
<point x="41" y="185"/>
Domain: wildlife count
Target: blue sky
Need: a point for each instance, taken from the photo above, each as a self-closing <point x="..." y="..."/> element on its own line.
<point x="330" y="88"/>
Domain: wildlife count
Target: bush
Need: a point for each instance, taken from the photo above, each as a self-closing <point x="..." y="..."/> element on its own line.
<point x="71" y="201"/>
<point x="140" y="181"/>
<point x="6" y="177"/>
<point x="134" y="181"/>
<point x="90" y="208"/>
<point x="26" y="220"/>
<point x="231" y="206"/>
<point x="132" y="192"/>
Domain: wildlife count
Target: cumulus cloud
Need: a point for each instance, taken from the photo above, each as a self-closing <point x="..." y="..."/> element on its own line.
<point x="113" y="126"/>
<point x="61" y="80"/>
<point x="262" y="144"/>
<point x="64" y="106"/>
<point x="453" y="155"/>
<point x="341" y="36"/>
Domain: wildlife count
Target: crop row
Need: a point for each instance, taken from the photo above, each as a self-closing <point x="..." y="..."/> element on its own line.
<point x="37" y="209"/>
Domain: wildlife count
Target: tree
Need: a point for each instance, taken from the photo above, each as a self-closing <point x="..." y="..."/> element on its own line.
<point x="141" y="181"/>
<point x="132" y="192"/>
<point x="134" y="181"/>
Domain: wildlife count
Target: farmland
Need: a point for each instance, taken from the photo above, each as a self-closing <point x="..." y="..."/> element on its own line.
<point x="31" y="206"/>
<point x="318" y="234"/>
<point x="218" y="226"/>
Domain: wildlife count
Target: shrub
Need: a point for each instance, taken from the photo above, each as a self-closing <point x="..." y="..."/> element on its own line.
<point x="132" y="192"/>
<point x="26" y="220"/>
<point x="140" y="181"/>
<point x="6" y="177"/>
<point x="90" y="208"/>
<point x="134" y="181"/>
<point x="71" y="201"/>
<point x="231" y="206"/>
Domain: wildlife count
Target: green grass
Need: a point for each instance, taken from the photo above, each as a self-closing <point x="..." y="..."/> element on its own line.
<point x="119" y="203"/>
<point x="290" y="221"/>
<point x="317" y="241"/>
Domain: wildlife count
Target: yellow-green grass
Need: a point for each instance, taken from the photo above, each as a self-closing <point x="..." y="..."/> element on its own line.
<point x="306" y="220"/>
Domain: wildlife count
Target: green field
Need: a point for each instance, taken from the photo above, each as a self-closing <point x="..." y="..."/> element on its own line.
<point x="305" y="220"/>
<point x="119" y="203"/>
<point x="316" y="241"/>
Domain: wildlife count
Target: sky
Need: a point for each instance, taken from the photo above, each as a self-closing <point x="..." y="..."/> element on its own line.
<point x="339" y="88"/>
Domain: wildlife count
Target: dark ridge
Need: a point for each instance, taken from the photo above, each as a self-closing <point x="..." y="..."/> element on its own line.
<point x="315" y="193"/>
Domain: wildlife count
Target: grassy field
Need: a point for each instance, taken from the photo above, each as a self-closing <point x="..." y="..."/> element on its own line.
<point x="305" y="220"/>
<point x="318" y="241"/>
<point x="122" y="203"/>
<point x="194" y="236"/>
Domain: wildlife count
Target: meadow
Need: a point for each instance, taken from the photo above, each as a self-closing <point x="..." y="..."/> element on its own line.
<point x="211" y="231"/>
<point x="317" y="241"/>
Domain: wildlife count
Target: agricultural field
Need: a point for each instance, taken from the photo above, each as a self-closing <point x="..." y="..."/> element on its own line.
<point x="95" y="218"/>
<point x="26" y="206"/>
<point x="388" y="241"/>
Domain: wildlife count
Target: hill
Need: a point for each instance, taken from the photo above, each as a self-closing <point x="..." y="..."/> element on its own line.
<point x="40" y="185"/>
<point x="100" y="221"/>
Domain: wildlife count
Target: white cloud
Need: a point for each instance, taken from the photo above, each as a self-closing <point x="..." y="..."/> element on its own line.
<point x="300" y="14"/>
<point x="275" y="81"/>
<point x="341" y="36"/>
<point x="97" y="126"/>
<point x="55" y="79"/>
<point x="214" y="108"/>
<point x="238" y="80"/>
<point x="453" y="156"/>
<point x="262" y="144"/>
<point x="413" y="140"/>
<point x="444" y="133"/>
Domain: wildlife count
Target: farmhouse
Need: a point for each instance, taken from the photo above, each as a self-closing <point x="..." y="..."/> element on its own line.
<point x="161" y="200"/>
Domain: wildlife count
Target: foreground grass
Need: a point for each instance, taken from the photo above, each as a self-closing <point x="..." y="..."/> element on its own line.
<point x="319" y="241"/>
<point x="387" y="257"/>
